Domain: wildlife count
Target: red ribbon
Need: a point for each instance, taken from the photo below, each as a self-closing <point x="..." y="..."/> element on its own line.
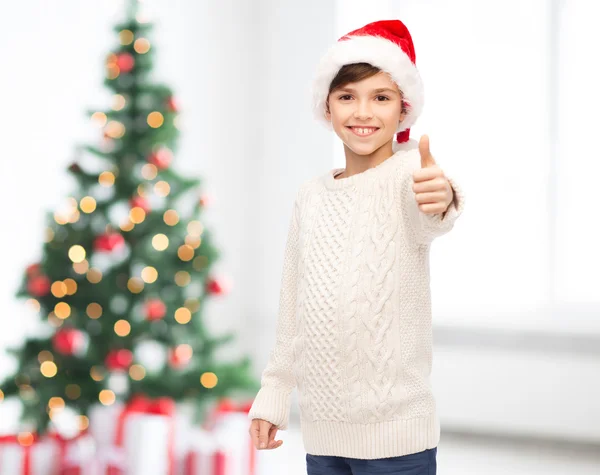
<point x="13" y="439"/>
<point x="143" y="405"/>
<point x="62" y="451"/>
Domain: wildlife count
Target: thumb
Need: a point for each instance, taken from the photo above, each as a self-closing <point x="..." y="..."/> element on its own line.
<point x="263" y="435"/>
<point x="427" y="159"/>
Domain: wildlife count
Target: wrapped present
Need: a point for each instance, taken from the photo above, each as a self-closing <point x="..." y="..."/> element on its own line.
<point x="207" y="454"/>
<point x="26" y="454"/>
<point x="228" y="422"/>
<point x="139" y="441"/>
<point x="76" y="455"/>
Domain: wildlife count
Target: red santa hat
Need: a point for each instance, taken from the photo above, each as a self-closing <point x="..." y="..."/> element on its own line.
<point x="385" y="44"/>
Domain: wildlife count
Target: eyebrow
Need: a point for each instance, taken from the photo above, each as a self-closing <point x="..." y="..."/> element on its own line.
<point x="375" y="91"/>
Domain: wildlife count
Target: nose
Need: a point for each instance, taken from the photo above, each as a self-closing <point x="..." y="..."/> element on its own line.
<point x="363" y="110"/>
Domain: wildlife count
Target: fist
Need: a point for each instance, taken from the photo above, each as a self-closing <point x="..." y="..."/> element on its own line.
<point x="263" y="434"/>
<point x="432" y="189"/>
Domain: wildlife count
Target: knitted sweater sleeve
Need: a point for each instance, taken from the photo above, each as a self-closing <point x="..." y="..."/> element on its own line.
<point x="424" y="228"/>
<point x="272" y="403"/>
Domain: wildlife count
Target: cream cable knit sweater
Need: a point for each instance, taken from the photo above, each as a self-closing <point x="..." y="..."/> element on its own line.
<point x="354" y="326"/>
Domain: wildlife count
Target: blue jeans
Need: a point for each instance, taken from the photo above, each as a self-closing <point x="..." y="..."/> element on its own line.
<point x="421" y="463"/>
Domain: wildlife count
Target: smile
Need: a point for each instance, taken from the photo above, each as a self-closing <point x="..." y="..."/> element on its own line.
<point x="363" y="131"/>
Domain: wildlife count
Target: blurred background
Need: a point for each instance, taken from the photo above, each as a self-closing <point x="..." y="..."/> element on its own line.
<point x="511" y="111"/>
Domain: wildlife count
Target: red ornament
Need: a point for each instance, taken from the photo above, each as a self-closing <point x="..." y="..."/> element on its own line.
<point x="118" y="360"/>
<point x="161" y="158"/>
<point x="69" y="341"/>
<point x="108" y="241"/>
<point x="216" y="286"/>
<point x="205" y="200"/>
<point x="39" y="286"/>
<point x="172" y="104"/>
<point x="125" y="62"/>
<point x="180" y="356"/>
<point x="140" y="202"/>
<point x="155" y="309"/>
<point x="34" y="269"/>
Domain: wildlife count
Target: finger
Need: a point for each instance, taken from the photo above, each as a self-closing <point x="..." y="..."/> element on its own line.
<point x="423" y="174"/>
<point x="427" y="159"/>
<point x="254" y="432"/>
<point x="263" y="435"/>
<point x="432" y="208"/>
<point x="273" y="444"/>
<point x="437" y="197"/>
<point x="437" y="184"/>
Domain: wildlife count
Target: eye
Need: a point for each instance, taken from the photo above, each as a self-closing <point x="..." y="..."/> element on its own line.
<point x="345" y="97"/>
<point x="384" y="98"/>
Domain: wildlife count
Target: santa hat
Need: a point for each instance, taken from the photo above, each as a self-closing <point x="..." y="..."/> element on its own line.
<point x="385" y="44"/>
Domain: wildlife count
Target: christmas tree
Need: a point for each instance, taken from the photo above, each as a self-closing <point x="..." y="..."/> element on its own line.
<point x="126" y="269"/>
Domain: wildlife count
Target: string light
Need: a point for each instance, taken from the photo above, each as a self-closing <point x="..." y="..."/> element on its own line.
<point x="185" y="253"/>
<point x="162" y="188"/>
<point x="96" y="373"/>
<point x="94" y="310"/>
<point x="25" y="439"/>
<point x="49" y="235"/>
<point x="149" y="274"/>
<point x="99" y="119"/>
<point x="48" y="369"/>
<point x="114" y="129"/>
<point x="193" y="241"/>
<point x="71" y="286"/>
<point x="192" y="304"/>
<point x="126" y="37"/>
<point x="141" y="46"/>
<point x="122" y="327"/>
<point x="171" y="218"/>
<point x="195" y="228"/>
<point x="94" y="275"/>
<point x="135" y="285"/>
<point x="118" y="102"/>
<point x="84" y="423"/>
<point x="149" y="171"/>
<point x="128" y="226"/>
<point x="33" y="304"/>
<point x="62" y="310"/>
<point x="45" y="356"/>
<point x="77" y="254"/>
<point x="160" y="242"/>
<point x="81" y="267"/>
<point x="183" y="315"/>
<point x="87" y="204"/>
<point x="182" y="278"/>
<point x="209" y="380"/>
<point x="137" y="215"/>
<point x="155" y="119"/>
<point x="59" y="289"/>
<point x="107" y="397"/>
<point x="137" y="372"/>
<point x="106" y="179"/>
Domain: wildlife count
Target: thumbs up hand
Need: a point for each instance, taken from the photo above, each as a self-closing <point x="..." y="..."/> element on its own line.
<point x="432" y="190"/>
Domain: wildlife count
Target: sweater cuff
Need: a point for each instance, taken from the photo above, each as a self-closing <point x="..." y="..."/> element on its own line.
<point x="435" y="225"/>
<point x="272" y="405"/>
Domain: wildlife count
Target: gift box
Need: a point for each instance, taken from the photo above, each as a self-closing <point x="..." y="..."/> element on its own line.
<point x="136" y="438"/>
<point x="207" y="454"/>
<point x="28" y="455"/>
<point x="228" y="425"/>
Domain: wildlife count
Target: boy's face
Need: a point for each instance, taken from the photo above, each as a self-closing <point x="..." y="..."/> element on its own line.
<point x="365" y="114"/>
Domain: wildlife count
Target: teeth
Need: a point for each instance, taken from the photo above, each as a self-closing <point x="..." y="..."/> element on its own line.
<point x="363" y="130"/>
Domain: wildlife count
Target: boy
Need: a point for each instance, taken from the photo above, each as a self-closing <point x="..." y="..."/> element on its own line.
<point x="354" y="327"/>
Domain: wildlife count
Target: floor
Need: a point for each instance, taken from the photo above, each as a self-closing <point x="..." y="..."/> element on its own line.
<point x="461" y="454"/>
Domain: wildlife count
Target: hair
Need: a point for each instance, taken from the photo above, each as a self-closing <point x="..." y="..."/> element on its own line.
<point x="354" y="72"/>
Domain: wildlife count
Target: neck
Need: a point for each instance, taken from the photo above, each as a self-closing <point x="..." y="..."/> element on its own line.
<point x="356" y="163"/>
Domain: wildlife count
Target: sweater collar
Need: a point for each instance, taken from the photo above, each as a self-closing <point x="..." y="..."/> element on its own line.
<point x="383" y="168"/>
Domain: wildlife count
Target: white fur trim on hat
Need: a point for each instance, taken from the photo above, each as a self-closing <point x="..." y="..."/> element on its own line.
<point x="379" y="52"/>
